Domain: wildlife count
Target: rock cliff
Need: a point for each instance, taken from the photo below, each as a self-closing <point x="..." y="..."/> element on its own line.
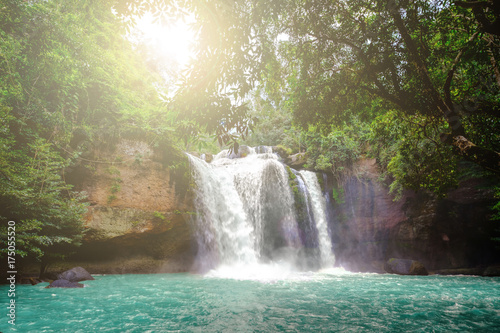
<point x="370" y="227"/>
<point x="138" y="220"/>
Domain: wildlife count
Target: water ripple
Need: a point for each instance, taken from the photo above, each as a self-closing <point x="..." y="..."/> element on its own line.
<point x="319" y="302"/>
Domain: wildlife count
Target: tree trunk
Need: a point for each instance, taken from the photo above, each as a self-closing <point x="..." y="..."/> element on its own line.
<point x="486" y="158"/>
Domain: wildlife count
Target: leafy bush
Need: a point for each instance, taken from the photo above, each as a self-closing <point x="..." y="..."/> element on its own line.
<point x="69" y="82"/>
<point x="335" y="151"/>
<point x="410" y="153"/>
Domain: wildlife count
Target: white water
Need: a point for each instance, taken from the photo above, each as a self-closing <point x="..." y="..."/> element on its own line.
<point x="223" y="230"/>
<point x="319" y="209"/>
<point x="246" y="224"/>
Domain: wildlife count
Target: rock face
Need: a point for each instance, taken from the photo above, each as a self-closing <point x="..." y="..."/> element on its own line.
<point x="455" y="232"/>
<point x="75" y="274"/>
<point x="361" y="215"/>
<point x="138" y="220"/>
<point x="369" y="227"/>
<point x="405" y="267"/>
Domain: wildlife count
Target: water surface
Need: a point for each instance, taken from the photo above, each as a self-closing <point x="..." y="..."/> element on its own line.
<point x="331" y="301"/>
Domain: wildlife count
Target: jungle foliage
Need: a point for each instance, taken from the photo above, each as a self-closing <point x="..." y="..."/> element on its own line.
<point x="69" y="82"/>
<point x="415" y="84"/>
<point x="423" y="76"/>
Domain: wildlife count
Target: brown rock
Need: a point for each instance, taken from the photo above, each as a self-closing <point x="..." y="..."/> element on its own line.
<point x="137" y="211"/>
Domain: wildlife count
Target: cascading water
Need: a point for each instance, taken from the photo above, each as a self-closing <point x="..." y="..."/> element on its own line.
<point x="319" y="209"/>
<point x="249" y="216"/>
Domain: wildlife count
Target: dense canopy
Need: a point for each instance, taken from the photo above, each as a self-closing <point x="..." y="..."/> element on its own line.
<point x="415" y="84"/>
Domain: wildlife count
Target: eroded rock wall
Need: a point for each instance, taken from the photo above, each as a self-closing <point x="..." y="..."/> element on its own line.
<point x="369" y="226"/>
<point x="138" y="221"/>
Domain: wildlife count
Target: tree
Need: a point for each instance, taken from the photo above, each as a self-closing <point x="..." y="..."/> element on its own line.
<point x="393" y="51"/>
<point x="418" y="56"/>
<point x="69" y="82"/>
<point x="33" y="192"/>
<point x="231" y="56"/>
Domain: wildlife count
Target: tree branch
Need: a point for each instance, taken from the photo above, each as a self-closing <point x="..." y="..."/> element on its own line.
<point x="493" y="60"/>
<point x="488" y="159"/>
<point x="451" y="72"/>
<point x="473" y="4"/>
<point x="381" y="92"/>
<point x="415" y="57"/>
<point x="480" y="8"/>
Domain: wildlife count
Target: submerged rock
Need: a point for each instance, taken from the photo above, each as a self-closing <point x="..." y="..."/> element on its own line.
<point x="61" y="283"/>
<point x="405" y="267"/>
<point x="75" y="274"/>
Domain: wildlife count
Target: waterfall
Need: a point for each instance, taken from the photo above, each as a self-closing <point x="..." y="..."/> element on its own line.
<point x="223" y="231"/>
<point x="249" y="214"/>
<point x="319" y="209"/>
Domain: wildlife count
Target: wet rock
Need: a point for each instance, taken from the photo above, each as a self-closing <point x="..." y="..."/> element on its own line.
<point x="405" y="267"/>
<point x="207" y="157"/>
<point x="64" y="284"/>
<point x="75" y="274"/>
<point x="240" y="152"/>
<point x="417" y="268"/>
<point x="263" y="149"/>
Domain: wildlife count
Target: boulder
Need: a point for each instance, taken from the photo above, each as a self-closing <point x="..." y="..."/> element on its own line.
<point x="75" y="274"/>
<point x="263" y="149"/>
<point x="61" y="283"/>
<point x="207" y="157"/>
<point x="417" y="268"/>
<point x="405" y="267"/>
<point x="240" y="152"/>
<point x="296" y="161"/>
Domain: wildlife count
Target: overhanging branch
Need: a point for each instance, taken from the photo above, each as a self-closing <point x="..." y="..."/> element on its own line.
<point x="451" y="72"/>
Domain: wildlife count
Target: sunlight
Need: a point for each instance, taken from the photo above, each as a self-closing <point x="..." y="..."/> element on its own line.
<point x="172" y="42"/>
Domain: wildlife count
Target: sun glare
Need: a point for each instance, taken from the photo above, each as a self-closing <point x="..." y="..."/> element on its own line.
<point x="172" y="42"/>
